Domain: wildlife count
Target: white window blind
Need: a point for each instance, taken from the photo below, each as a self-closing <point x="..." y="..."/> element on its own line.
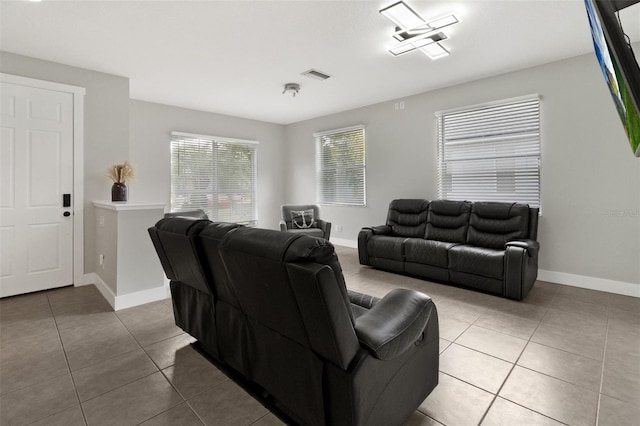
<point x="491" y="152"/>
<point x="340" y="166"/>
<point x="215" y="174"/>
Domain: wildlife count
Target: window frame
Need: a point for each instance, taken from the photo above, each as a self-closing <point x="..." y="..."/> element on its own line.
<point x="363" y="167"/>
<point x="441" y="138"/>
<point x="253" y="144"/>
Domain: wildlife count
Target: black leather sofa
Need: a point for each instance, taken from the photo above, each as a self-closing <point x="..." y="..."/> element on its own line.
<point x="273" y="307"/>
<point x="484" y="245"/>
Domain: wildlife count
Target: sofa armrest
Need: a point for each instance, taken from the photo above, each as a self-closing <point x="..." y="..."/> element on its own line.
<point x="283" y="225"/>
<point x="531" y="246"/>
<point x="381" y="230"/>
<point x="395" y="323"/>
<point x="361" y="299"/>
<point x="325" y="226"/>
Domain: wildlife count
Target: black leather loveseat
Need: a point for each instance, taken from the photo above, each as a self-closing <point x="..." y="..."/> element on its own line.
<point x="273" y="306"/>
<point x="483" y="245"/>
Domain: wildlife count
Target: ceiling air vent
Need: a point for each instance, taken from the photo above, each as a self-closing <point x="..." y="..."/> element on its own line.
<point x="318" y="75"/>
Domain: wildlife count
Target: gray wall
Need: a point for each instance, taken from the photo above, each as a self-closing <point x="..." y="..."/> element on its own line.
<point x="106" y="128"/>
<point x="151" y="126"/>
<point x="590" y="198"/>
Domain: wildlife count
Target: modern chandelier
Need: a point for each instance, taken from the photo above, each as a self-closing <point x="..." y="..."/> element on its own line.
<point x="415" y="33"/>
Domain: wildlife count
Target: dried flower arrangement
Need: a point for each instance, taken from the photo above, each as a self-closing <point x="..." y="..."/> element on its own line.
<point x="120" y="173"/>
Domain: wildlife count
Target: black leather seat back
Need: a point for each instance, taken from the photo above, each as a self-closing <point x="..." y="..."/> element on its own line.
<point x="208" y="241"/>
<point x="448" y="221"/>
<point x="408" y="217"/>
<point x="298" y="313"/>
<point x="173" y="239"/>
<point x="257" y="260"/>
<point x="492" y="225"/>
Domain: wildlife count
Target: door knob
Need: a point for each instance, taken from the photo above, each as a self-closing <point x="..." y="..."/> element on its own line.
<point x="66" y="214"/>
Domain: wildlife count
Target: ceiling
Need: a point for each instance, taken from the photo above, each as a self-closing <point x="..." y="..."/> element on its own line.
<point x="234" y="57"/>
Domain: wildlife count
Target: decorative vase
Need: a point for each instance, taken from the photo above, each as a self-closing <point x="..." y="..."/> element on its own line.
<point x="119" y="191"/>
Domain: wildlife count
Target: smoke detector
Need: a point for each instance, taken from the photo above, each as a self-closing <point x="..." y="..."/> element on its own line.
<point x="292" y="88"/>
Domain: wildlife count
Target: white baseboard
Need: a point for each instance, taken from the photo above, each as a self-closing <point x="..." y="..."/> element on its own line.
<point x="344" y="242"/>
<point x="592" y="283"/>
<point x="126" y="300"/>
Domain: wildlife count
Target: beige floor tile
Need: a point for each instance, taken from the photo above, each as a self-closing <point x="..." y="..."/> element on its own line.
<point x="540" y="295"/>
<point x="584" y="295"/>
<point x="580" y="323"/>
<point x="450" y="328"/>
<point x="572" y="368"/>
<point x="444" y="344"/>
<point x="614" y="412"/>
<point x="568" y="304"/>
<point x="163" y="353"/>
<point x="38" y="401"/>
<point x="192" y="374"/>
<point x="492" y="343"/>
<point x="18" y="348"/>
<point x="227" y="404"/>
<point x="155" y="331"/>
<point x="518" y="309"/>
<point x="621" y="377"/>
<point x="135" y="402"/>
<point x="269" y="420"/>
<point x="148" y="312"/>
<point x="419" y="419"/>
<point x="444" y="403"/>
<point x="583" y="344"/>
<point x="32" y="369"/>
<point x="476" y="368"/>
<point x="107" y="375"/>
<point x="180" y="415"/>
<point x="18" y="313"/>
<point x="27" y="328"/>
<point x="551" y="397"/>
<point x="507" y="324"/>
<point x="68" y="417"/>
<point x="92" y="352"/>
<point x="82" y="335"/>
<point x="624" y="303"/>
<point x="460" y="311"/>
<point x="506" y="413"/>
<point x="23" y="305"/>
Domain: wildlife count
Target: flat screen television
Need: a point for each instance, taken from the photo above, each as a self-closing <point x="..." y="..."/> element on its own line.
<point x="617" y="62"/>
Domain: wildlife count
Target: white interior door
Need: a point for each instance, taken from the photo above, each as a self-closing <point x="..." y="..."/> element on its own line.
<point x="36" y="169"/>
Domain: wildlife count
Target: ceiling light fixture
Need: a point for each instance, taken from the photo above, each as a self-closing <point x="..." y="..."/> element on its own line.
<point x="413" y="32"/>
<point x="292" y="88"/>
<point x="435" y="51"/>
<point x="417" y="42"/>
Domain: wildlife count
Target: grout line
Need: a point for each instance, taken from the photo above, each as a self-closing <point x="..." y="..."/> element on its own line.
<point x="604" y="355"/>
<point x="495" y="396"/>
<point x="73" y="381"/>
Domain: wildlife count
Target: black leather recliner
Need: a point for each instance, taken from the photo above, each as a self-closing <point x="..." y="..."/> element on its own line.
<point x="274" y="307"/>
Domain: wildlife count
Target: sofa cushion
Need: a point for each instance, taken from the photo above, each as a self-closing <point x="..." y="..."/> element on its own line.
<point x="477" y="260"/>
<point x="448" y="221"/>
<point x="385" y="247"/>
<point x="428" y="252"/>
<point x="314" y="232"/>
<point x="492" y="225"/>
<point x="407" y="217"/>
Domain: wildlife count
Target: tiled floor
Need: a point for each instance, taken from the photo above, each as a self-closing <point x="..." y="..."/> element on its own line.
<point x="563" y="355"/>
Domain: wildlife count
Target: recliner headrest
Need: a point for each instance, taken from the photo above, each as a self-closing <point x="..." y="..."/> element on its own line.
<point x="409" y="205"/>
<point x="279" y="246"/>
<point x="449" y="208"/>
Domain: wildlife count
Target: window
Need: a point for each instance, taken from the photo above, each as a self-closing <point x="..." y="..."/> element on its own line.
<point x="491" y="152"/>
<point x="340" y="166"/>
<point x="215" y="174"/>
